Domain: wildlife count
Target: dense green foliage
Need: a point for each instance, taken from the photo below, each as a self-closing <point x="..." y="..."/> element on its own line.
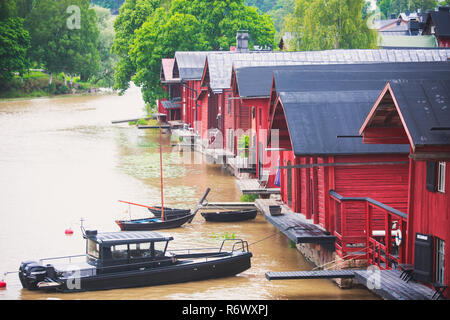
<point x="133" y="14"/>
<point x="147" y="31"/>
<point x="61" y="37"/>
<point x="105" y="23"/>
<point x="263" y="5"/>
<point x="58" y="43"/>
<point x="330" y="24"/>
<point x="249" y="197"/>
<point x="112" y="5"/>
<point x="14" y="43"/>
<point x="388" y="7"/>
<point x="276" y="9"/>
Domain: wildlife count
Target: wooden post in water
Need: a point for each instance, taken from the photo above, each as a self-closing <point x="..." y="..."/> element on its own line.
<point x="161" y="167"/>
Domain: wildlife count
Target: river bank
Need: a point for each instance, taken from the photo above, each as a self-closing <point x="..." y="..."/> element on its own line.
<point x="36" y="84"/>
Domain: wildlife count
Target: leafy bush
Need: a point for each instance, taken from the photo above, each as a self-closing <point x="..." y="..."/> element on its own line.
<point x="249" y="197"/>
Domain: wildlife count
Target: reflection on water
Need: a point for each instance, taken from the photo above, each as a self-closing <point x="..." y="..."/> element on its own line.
<point x="61" y="159"/>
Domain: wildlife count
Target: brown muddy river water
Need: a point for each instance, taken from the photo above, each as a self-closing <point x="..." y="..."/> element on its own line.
<point x="61" y="159"/>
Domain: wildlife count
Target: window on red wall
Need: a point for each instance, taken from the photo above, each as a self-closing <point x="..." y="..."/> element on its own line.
<point x="441" y="177"/>
<point x="260" y="117"/>
<point x="439" y="262"/>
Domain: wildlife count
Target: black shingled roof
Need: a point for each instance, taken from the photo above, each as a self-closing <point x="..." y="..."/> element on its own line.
<point x="286" y="80"/>
<point x="257" y="81"/>
<point x="321" y="122"/>
<point x="425" y="107"/>
<point x="441" y="20"/>
<point x="322" y="106"/>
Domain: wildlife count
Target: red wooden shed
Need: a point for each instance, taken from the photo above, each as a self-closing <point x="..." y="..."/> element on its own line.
<point x="417" y="113"/>
<point x="318" y="121"/>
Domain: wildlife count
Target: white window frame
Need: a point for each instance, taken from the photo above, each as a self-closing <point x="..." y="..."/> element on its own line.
<point x="440" y="261"/>
<point x="441" y="177"/>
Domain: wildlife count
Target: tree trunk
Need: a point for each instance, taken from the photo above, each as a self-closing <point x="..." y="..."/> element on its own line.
<point x="65" y="79"/>
<point x="50" y="80"/>
<point x="71" y="81"/>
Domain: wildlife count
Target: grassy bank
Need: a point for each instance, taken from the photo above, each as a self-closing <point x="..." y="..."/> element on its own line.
<point x="35" y="84"/>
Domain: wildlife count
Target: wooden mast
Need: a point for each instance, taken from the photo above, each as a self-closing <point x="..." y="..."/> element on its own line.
<point x="161" y="168"/>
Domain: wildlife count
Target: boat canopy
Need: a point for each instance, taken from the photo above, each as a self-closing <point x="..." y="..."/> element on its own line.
<point x="116" y="238"/>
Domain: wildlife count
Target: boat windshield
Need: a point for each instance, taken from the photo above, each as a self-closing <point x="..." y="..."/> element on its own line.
<point x="93" y="249"/>
<point x="160" y="248"/>
<point x="140" y="250"/>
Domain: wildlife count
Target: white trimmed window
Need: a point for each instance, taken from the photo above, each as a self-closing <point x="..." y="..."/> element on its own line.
<point x="441" y="177"/>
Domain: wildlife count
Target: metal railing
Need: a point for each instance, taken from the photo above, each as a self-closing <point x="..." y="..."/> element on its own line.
<point x="63" y="258"/>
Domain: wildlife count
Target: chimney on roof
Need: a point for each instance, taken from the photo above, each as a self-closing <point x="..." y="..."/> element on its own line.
<point x="242" y="41"/>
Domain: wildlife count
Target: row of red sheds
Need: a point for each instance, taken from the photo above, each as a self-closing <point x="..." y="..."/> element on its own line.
<point x="358" y="141"/>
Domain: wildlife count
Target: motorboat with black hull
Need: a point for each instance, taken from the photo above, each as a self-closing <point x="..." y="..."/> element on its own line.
<point x="116" y="260"/>
<point x="164" y="222"/>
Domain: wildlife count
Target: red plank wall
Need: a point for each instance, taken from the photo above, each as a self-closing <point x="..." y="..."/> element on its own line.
<point x="429" y="212"/>
<point x="385" y="183"/>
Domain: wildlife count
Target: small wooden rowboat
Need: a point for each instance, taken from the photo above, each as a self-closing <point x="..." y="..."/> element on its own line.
<point x="230" y="216"/>
<point x="165" y="222"/>
<point x="169" y="212"/>
<point x="149" y="224"/>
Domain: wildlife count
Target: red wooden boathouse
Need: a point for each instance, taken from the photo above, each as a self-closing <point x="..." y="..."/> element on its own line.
<point x="417" y="114"/>
<point x="318" y="120"/>
<point x="251" y="80"/>
<point x="171" y="106"/>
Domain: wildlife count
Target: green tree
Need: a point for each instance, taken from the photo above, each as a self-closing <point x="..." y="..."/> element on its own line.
<point x="64" y="37"/>
<point x="7" y="9"/>
<point x="14" y="43"/>
<point x="221" y="19"/>
<point x="160" y="37"/>
<point x="105" y="74"/>
<point x="388" y="7"/>
<point x="263" y="5"/>
<point x="133" y="14"/>
<point x="185" y="25"/>
<point x="113" y="5"/>
<point x="385" y="8"/>
<point x="330" y="24"/>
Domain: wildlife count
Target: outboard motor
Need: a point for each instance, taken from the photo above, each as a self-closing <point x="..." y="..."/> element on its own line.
<point x="31" y="273"/>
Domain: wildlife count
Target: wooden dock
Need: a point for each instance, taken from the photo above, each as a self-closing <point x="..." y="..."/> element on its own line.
<point x="388" y="285"/>
<point x="176" y="124"/>
<point x="315" y="274"/>
<point x="252" y="186"/>
<point x="384" y="283"/>
<point x="294" y="226"/>
<point x="163" y="126"/>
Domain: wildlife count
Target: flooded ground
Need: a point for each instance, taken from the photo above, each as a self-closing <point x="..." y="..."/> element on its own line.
<point x="61" y="159"/>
